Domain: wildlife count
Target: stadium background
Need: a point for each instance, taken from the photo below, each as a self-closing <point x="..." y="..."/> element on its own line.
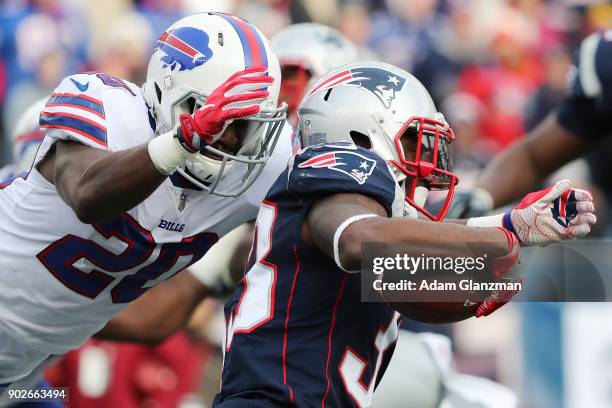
<point x="494" y="68"/>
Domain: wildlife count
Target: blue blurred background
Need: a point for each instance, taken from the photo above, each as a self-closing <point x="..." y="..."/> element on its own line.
<point x="494" y="67"/>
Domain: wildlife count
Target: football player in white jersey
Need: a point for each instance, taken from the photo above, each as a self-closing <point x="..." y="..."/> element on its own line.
<point x="169" y="306"/>
<point x="132" y="185"/>
<point x="306" y="52"/>
<point x="323" y="49"/>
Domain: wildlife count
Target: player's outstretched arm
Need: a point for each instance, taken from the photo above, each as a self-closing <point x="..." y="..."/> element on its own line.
<point x="97" y="184"/>
<point x="437" y="239"/>
<point x="338" y="226"/>
<point x="101" y="185"/>
<point x="516" y="171"/>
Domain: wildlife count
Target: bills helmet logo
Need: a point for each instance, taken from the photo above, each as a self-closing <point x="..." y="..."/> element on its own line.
<point x="564" y="208"/>
<point x="382" y="83"/>
<point x="352" y="164"/>
<point x="186" y="48"/>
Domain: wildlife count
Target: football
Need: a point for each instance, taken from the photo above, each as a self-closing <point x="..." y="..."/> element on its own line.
<point x="440" y="297"/>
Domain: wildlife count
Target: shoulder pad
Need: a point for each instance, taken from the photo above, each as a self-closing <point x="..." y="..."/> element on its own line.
<point x="341" y="168"/>
<point x="343" y="158"/>
<point x="75" y="111"/>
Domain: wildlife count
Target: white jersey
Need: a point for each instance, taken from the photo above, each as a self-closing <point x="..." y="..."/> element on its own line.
<point x="61" y="279"/>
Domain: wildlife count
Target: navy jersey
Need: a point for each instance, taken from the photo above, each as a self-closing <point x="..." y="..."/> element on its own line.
<point x="587" y="110"/>
<point x="298" y="333"/>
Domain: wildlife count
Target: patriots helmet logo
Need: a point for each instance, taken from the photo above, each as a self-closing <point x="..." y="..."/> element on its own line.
<point x="382" y="83"/>
<point x="329" y="38"/>
<point x="186" y="48"/>
<point x="353" y="164"/>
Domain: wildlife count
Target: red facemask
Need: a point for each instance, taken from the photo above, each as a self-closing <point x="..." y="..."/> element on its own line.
<point x="431" y="166"/>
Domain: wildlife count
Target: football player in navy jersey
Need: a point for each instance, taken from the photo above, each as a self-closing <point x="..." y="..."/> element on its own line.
<point x="297" y="331"/>
<point x="583" y="118"/>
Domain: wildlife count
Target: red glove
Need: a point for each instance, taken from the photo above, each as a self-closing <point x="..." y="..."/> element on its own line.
<point x="508" y="269"/>
<point x="207" y="124"/>
<point x="556" y="213"/>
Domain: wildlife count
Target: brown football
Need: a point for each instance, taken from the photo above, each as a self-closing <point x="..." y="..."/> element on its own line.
<point x="447" y="298"/>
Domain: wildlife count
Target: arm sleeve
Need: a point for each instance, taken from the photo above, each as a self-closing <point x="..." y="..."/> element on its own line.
<point x="587" y="108"/>
<point x="341" y="168"/>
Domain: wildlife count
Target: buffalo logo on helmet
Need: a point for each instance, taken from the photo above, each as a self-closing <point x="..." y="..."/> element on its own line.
<point x="186" y="48"/>
<point x="382" y="83"/>
<point x="353" y="164"/>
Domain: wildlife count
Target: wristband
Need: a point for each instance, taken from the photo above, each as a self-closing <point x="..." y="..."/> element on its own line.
<point x="341" y="229"/>
<point x="496" y="220"/>
<point x="503" y="221"/>
<point x="166" y="153"/>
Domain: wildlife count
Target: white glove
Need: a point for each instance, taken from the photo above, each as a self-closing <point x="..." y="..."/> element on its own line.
<point x="167" y="153"/>
<point x="556" y="213"/>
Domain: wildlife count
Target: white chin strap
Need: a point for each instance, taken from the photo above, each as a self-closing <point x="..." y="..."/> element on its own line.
<point x="420" y="196"/>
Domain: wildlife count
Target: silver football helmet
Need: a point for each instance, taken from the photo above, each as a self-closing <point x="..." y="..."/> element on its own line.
<point x="307" y="51"/>
<point x="192" y="58"/>
<point x="385" y="109"/>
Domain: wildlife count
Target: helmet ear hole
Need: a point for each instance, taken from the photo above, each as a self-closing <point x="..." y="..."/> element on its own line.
<point x="360" y="139"/>
<point x="158" y="92"/>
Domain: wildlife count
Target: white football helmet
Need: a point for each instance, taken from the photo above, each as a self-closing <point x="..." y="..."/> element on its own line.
<point x="193" y="57"/>
<point x="307" y="51"/>
<point x="387" y="110"/>
<point x="27" y="136"/>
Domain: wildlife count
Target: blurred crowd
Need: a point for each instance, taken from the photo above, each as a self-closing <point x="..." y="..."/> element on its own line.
<point x="495" y="68"/>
